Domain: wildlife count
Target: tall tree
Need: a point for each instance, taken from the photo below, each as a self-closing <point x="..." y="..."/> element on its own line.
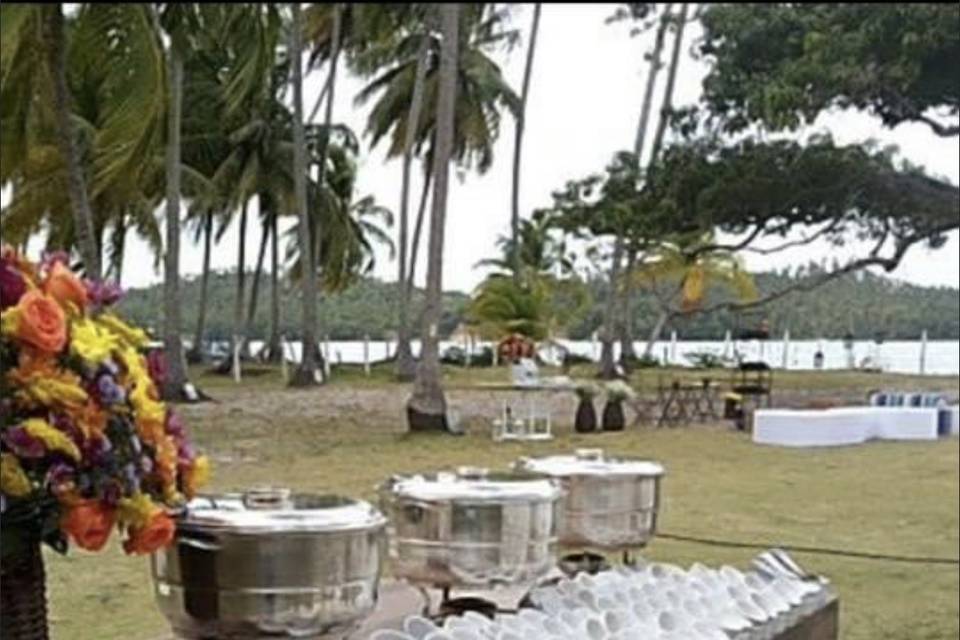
<point x="406" y="366"/>
<point x="518" y="141"/>
<point x="176" y="367"/>
<point x="427" y="406"/>
<point x="679" y="21"/>
<point x="55" y="44"/>
<point x="196" y="352"/>
<point x="307" y="373"/>
<point x="625" y="293"/>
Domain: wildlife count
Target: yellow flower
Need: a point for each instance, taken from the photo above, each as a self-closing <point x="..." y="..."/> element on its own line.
<point x="54" y="439"/>
<point x="131" y="336"/>
<point x="91" y="341"/>
<point x="136" y="511"/>
<point x="147" y="409"/>
<point x="196" y="476"/>
<point x="13" y="481"/>
<point x="39" y="382"/>
<point x="10" y="322"/>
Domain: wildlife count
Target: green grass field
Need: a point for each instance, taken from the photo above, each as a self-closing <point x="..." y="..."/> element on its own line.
<point x="894" y="498"/>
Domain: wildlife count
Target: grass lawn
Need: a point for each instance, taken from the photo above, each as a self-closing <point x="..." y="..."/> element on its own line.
<point x="896" y="498"/>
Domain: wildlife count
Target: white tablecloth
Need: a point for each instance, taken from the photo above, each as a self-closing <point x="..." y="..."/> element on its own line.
<point x="844" y="425"/>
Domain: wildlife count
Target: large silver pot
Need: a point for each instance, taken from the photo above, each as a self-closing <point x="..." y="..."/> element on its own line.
<point x="472" y="528"/>
<point x="267" y="563"/>
<point x="610" y="503"/>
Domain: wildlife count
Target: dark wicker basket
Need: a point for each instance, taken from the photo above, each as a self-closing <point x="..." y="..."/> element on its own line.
<point x="23" y="599"/>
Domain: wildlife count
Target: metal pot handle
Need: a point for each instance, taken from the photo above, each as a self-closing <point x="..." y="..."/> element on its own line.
<point x="589" y="454"/>
<point x="203" y="545"/>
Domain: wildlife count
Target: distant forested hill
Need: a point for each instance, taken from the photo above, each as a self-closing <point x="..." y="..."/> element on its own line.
<point x="862" y="305"/>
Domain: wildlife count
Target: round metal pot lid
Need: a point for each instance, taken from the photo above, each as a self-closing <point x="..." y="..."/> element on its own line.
<point x="475" y="485"/>
<point x="278" y="511"/>
<point x="590" y="462"/>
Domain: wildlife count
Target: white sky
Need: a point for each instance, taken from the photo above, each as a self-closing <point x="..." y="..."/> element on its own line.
<point x="584" y="100"/>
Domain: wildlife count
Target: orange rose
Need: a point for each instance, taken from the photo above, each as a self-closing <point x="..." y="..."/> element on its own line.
<point x="65" y="287"/>
<point x="40" y="322"/>
<point x="89" y="523"/>
<point x="156" y="534"/>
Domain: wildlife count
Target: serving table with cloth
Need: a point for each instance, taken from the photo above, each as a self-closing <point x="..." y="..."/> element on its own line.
<point x="844" y="425"/>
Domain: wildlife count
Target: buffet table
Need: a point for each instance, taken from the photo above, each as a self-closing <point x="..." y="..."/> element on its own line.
<point x="844" y="425"/>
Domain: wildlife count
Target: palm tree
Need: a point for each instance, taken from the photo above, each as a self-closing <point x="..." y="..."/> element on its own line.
<point x="307" y="373"/>
<point x="173" y="387"/>
<point x="406" y="365"/>
<point x="517" y="145"/>
<point x="679" y="278"/>
<point x="204" y="228"/>
<point x="427" y="406"/>
<point x="89" y="147"/>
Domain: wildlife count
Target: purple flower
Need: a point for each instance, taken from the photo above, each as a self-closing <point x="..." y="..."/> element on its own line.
<point x="109" y="391"/>
<point x="51" y="258"/>
<point x="65" y="424"/>
<point x="96" y="451"/>
<point x="174" y="425"/>
<point x="185" y="454"/>
<point x="146" y="464"/>
<point x="112" y="492"/>
<point x="102" y="293"/>
<point x="22" y="443"/>
<point x="12" y="286"/>
<point x="157" y="366"/>
<point x="131" y="476"/>
<point x="60" y="477"/>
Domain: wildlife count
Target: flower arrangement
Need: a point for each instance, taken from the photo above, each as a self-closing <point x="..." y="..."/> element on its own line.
<point x="585" y="391"/>
<point x="86" y="446"/>
<point x="618" y="391"/>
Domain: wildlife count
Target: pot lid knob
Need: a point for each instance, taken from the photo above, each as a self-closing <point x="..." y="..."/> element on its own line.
<point x="589" y="454"/>
<point x="472" y="473"/>
<point x="267" y="498"/>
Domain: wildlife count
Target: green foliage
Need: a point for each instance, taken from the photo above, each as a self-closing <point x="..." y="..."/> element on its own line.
<point x="783" y="64"/>
<point x="368" y="307"/>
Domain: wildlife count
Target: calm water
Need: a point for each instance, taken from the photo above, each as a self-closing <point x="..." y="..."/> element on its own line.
<point x="942" y="356"/>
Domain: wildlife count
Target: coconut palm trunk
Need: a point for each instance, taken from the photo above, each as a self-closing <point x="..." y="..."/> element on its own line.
<point x="627" y="352"/>
<point x="608" y="366"/>
<point x="518" y="146"/>
<point x="406" y="366"/>
<point x="176" y="364"/>
<point x="427" y="406"/>
<point x="274" y="348"/>
<point x="257" y="274"/>
<point x="76" y="185"/>
<point x="237" y="338"/>
<point x="667" y="106"/>
<point x="307" y="373"/>
<point x="196" y="353"/>
<point x="655" y="333"/>
<point x="418" y="227"/>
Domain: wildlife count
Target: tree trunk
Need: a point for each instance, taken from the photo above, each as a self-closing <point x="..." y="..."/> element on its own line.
<point x="671" y="82"/>
<point x="406" y="366"/>
<point x="274" y="348"/>
<point x="237" y="339"/>
<point x="76" y="187"/>
<point x="196" y="354"/>
<point x="655" y="67"/>
<point x="655" y="333"/>
<point x="625" y="327"/>
<point x="176" y="364"/>
<point x="116" y="269"/>
<point x="307" y="373"/>
<point x="608" y="367"/>
<point x="627" y="352"/>
<point x="255" y="286"/>
<point x="418" y="227"/>
<point x="427" y="407"/>
<point x="518" y="146"/>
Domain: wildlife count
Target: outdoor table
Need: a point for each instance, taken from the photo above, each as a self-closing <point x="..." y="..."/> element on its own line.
<point x="683" y="401"/>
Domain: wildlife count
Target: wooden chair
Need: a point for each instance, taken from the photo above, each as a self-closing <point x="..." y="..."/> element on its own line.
<point x="754" y="380"/>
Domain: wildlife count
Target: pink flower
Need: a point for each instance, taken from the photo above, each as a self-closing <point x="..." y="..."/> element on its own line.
<point x="157" y="366"/>
<point x="12" y="286"/>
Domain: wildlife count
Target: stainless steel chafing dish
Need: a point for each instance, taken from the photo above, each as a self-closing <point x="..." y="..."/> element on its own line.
<point x="610" y="503"/>
<point x="471" y="528"/>
<point x="269" y="562"/>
